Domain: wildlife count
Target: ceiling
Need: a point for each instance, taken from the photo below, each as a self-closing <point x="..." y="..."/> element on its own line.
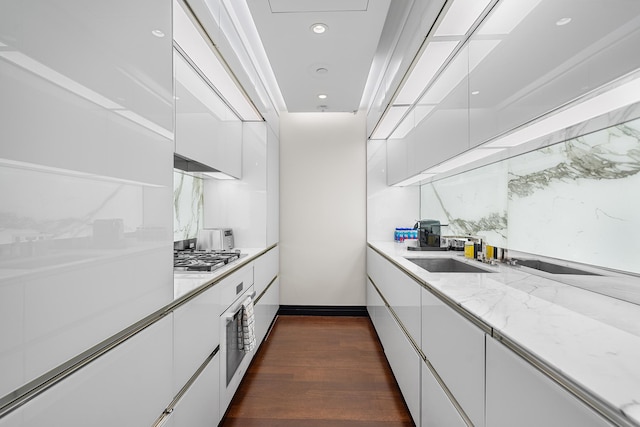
<point x="335" y="63"/>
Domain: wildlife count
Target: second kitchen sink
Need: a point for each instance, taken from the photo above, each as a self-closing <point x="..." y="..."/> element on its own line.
<point x="446" y="265"/>
<point x="552" y="268"/>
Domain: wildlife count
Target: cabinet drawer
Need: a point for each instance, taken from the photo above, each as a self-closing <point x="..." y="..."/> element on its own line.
<point x="401" y="291"/>
<point x="455" y="347"/>
<point x="196" y="328"/>
<point x="520" y="395"/>
<point x="265" y="269"/>
<point x="266" y="309"/>
<point x="403" y="359"/>
<point x="437" y="409"/>
<point x="128" y="386"/>
<point x="200" y="405"/>
<point x="374" y="304"/>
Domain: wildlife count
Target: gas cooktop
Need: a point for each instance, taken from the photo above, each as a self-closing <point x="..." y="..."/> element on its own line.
<point x="196" y="260"/>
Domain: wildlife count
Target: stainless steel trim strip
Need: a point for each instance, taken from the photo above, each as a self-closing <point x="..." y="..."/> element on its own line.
<point x="163" y="418"/>
<point x="610" y="413"/>
<point x="27" y="392"/>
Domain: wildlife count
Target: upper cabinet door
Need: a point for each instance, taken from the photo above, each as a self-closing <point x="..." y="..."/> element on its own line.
<point x="207" y="129"/>
<point x="86" y="131"/>
<point x="87" y="87"/>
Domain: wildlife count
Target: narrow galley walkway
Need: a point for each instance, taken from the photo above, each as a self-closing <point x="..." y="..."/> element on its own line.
<point x="316" y="371"/>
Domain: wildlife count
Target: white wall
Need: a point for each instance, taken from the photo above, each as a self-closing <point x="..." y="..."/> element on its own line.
<point x="242" y="204"/>
<point x="322" y="209"/>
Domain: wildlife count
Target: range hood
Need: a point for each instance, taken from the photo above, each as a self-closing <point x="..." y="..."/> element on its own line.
<point x="187" y="165"/>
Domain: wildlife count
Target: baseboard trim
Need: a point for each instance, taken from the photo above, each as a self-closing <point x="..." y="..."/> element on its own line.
<point x="323" y="310"/>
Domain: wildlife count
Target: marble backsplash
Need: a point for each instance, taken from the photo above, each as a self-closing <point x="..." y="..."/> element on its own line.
<point x="574" y="200"/>
<point x="188" y="203"/>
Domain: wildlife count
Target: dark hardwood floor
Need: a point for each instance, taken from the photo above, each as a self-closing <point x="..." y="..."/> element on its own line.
<point x="319" y="371"/>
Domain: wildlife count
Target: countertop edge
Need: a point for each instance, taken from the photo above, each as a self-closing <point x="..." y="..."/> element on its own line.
<point x="218" y="276"/>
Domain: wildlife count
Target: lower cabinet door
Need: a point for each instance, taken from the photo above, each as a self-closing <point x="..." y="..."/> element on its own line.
<point x="13" y="419"/>
<point x="200" y="406"/>
<point x="455" y="348"/>
<point x="266" y="309"/>
<point x="437" y="409"/>
<point x="128" y="386"/>
<point x="404" y="361"/>
<point x="374" y="305"/>
<point x="520" y="395"/>
<point x="196" y="333"/>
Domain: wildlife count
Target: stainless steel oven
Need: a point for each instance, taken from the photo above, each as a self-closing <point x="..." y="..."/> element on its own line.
<point x="234" y="358"/>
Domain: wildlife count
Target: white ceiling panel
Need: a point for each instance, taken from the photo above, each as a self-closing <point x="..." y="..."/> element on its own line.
<point x="335" y="63"/>
<point x="292" y="6"/>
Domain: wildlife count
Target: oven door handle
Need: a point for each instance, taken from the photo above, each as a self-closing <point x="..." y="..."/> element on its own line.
<point x="230" y="315"/>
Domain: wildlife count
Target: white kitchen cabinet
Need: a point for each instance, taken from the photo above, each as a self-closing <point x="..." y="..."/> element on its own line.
<point x="273" y="187"/>
<point x="11" y="330"/>
<point x="374" y="305"/>
<point x="519" y="395"/>
<point x="196" y="327"/>
<point x="437" y="409"/>
<point x="200" y="405"/>
<point x="266" y="309"/>
<point x="403" y="359"/>
<point x="207" y="131"/>
<point x="266" y="268"/>
<point x="401" y="291"/>
<point x="83" y="107"/>
<point x="13" y="419"/>
<point x="129" y="386"/>
<point x="242" y="204"/>
<point x="397" y="160"/>
<point x="403" y="295"/>
<point x="455" y="347"/>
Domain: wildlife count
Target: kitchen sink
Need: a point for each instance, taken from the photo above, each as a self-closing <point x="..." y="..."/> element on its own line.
<point x="446" y="265"/>
<point x="549" y="267"/>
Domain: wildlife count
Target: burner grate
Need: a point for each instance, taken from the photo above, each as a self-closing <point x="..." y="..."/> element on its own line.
<point x="198" y="260"/>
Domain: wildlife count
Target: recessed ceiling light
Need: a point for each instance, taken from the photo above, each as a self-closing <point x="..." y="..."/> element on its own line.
<point x="475" y="92"/>
<point x="563" y="21"/>
<point x="321" y="71"/>
<point x="158" y="33"/>
<point x="319" y="28"/>
<point x="322" y="96"/>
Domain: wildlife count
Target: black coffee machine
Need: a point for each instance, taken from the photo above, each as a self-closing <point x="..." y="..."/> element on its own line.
<point x="428" y="236"/>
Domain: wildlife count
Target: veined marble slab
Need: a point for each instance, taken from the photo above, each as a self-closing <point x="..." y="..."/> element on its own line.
<point x="591" y="339"/>
<point x="188" y="205"/>
<point x="572" y="200"/>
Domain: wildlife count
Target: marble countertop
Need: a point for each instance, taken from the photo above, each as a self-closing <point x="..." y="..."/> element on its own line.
<point x="186" y="282"/>
<point x="590" y="339"/>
